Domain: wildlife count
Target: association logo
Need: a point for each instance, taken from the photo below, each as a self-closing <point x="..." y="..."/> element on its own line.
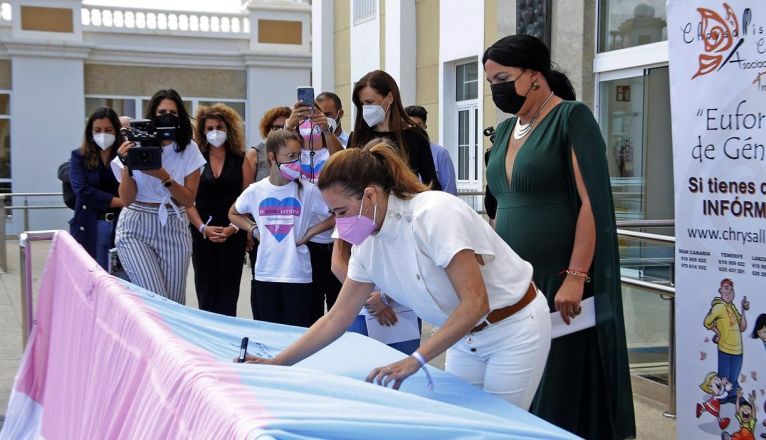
<point x="721" y="35"/>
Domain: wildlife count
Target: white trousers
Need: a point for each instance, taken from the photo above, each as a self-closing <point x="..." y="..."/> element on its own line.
<point x="506" y="358"/>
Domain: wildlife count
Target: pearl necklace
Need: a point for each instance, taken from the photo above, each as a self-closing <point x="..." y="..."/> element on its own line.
<point x="520" y="130"/>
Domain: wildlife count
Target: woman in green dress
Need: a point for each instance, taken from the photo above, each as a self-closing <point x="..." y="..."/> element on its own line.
<point x="549" y="173"/>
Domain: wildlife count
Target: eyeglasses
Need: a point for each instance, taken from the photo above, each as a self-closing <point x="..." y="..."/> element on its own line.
<point x="291" y="156"/>
<point x="276" y="127"/>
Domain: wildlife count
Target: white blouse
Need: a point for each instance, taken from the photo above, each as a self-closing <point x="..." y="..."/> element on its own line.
<point x="419" y="237"/>
<point x="178" y="164"/>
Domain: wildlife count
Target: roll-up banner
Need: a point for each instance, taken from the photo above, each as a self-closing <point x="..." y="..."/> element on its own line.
<point x="717" y="53"/>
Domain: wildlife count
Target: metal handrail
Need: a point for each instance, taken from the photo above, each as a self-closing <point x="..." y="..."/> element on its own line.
<point x="26" y="208"/>
<point x="667" y="293"/>
<point x="48" y="194"/>
<point x="25" y="271"/>
<point x="645" y="223"/>
<point x="646" y="236"/>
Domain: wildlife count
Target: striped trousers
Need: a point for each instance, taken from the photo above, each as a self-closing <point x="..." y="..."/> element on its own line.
<point x="155" y="257"/>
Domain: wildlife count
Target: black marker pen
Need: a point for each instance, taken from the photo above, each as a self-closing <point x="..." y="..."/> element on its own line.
<point x="243" y="350"/>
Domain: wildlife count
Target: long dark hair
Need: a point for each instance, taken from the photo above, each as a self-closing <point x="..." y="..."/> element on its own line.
<point x="378" y="163"/>
<point x="184" y="131"/>
<point x="528" y="52"/>
<point x="383" y="84"/>
<point x="89" y="149"/>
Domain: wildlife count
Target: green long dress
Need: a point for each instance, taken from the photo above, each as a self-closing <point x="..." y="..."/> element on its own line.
<point x="585" y="388"/>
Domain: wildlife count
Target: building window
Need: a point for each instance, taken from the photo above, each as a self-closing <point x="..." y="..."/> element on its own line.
<point x="469" y="165"/>
<point x="629" y="23"/>
<point x="135" y="106"/>
<point x="238" y="106"/>
<point x="364" y="10"/>
<point x="123" y="106"/>
<point x="5" y="141"/>
<point x="634" y="115"/>
<point x="466" y="81"/>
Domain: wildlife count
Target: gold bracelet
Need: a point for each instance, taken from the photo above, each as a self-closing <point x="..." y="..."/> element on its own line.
<point x="576" y="273"/>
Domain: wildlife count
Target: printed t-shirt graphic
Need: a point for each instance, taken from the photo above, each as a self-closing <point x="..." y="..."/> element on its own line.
<point x="279" y="215"/>
<point x="311" y="167"/>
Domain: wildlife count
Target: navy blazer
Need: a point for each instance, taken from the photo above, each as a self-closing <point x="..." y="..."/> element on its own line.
<point x="90" y="201"/>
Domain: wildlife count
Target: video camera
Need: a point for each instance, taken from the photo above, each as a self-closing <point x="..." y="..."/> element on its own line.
<point x="147" y="153"/>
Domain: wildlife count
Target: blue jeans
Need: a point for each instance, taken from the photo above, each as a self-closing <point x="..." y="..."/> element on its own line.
<point x="407" y="347"/>
<point x="103" y="242"/>
<point x="729" y="366"/>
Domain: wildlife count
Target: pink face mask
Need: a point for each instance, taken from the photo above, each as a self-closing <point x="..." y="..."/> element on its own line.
<point x="311" y="133"/>
<point x="356" y="229"/>
<point x="290" y="170"/>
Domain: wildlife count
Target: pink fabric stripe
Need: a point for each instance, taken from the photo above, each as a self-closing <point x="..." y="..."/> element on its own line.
<point x="103" y="365"/>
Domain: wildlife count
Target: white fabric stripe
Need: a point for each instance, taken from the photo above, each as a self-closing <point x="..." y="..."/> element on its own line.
<point x="156" y="257"/>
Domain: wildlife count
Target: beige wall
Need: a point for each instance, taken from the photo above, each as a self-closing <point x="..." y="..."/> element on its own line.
<point x="280" y="32"/>
<point x="490" y="36"/>
<point x="5" y="74"/>
<point x="144" y="81"/>
<point x="342" y="31"/>
<point x="35" y="18"/>
<point x="427" y="67"/>
<point x="382" y="9"/>
<point x="573" y="44"/>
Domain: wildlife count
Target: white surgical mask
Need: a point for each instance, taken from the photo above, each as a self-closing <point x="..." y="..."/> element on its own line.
<point x="373" y="114"/>
<point x="332" y="124"/>
<point x="103" y="140"/>
<point x="216" y="138"/>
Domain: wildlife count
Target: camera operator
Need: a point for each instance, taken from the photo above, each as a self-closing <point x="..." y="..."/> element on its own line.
<point x="153" y="239"/>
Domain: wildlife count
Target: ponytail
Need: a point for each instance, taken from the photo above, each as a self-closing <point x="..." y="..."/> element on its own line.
<point x="528" y="52"/>
<point x="378" y="163"/>
<point x="560" y="85"/>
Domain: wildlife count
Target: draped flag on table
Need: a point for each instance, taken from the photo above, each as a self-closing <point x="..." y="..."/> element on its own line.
<point x="107" y="359"/>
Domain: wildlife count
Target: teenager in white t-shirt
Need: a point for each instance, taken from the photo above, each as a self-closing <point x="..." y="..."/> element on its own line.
<point x="287" y="213"/>
<point x="152" y="236"/>
<point x="430" y="251"/>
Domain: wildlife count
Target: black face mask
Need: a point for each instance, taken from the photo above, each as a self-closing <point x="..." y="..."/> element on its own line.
<point x="167" y="120"/>
<point x="505" y="97"/>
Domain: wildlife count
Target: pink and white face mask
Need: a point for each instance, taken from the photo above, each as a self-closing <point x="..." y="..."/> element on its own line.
<point x="290" y="170"/>
<point x="311" y="134"/>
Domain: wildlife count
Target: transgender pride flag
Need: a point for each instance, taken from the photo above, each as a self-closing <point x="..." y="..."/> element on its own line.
<point x="108" y="360"/>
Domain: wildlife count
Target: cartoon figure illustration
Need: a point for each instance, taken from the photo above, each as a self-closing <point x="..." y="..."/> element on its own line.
<point x="759" y="330"/>
<point x="764" y="410"/>
<point x="728" y="324"/>
<point x="746" y="418"/>
<point x="716" y="387"/>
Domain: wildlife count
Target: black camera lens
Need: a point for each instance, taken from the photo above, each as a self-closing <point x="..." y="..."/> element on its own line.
<point x="144" y="157"/>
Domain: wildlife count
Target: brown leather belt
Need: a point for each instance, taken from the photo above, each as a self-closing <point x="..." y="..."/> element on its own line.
<point x="498" y="315"/>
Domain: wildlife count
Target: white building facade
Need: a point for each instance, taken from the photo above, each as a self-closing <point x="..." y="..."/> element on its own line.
<point x="59" y="60"/>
